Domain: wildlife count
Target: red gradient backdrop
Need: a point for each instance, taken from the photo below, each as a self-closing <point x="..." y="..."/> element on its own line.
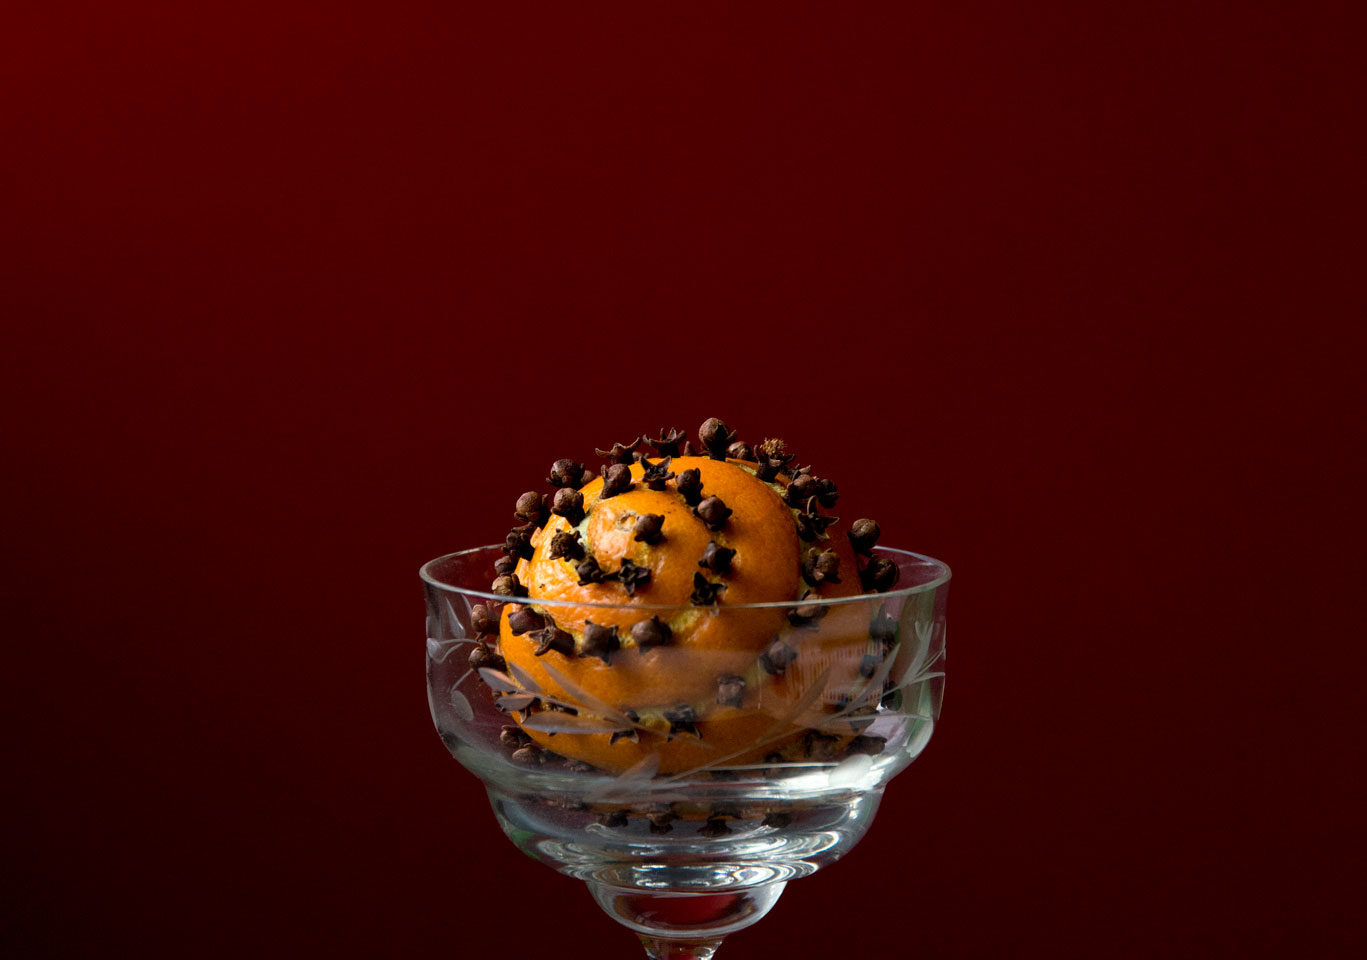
<point x="297" y="297"/>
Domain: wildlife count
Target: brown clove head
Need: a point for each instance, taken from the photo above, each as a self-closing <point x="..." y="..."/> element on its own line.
<point x="633" y="577"/>
<point x="740" y="450"/>
<point x="525" y="620"/>
<point x="512" y="736"/>
<point x="662" y="822"/>
<point x="811" y="525"/>
<point x="863" y="535"/>
<point x="532" y="508"/>
<point x="569" y="504"/>
<point x="669" y="442"/>
<point x="482" y="658"/>
<point x="770" y="458"/>
<point x="508" y="586"/>
<point x="868" y="665"/>
<point x="655" y="474"/>
<point x="651" y="633"/>
<point x="820" y="746"/>
<point x="776" y="657"/>
<point x="826" y="492"/>
<point x="717" y="559"/>
<point x="689" y="485"/>
<point x="550" y="637"/>
<point x="713" y="512"/>
<point x="774" y="449"/>
<point x="705" y="593"/>
<point x="682" y="719"/>
<point x="505" y="564"/>
<point x="883" y="629"/>
<point x="648" y="528"/>
<point x="801" y="489"/>
<point x="616" y="479"/>
<point x="820" y="566"/>
<point x="807" y="614"/>
<point x="622" y="452"/>
<point x="730" y="691"/>
<point x="599" y="641"/>
<point x="566" y="473"/>
<point x="827" y="566"/>
<point x="716" y="437"/>
<point x="518" y="543"/>
<point x="881" y="574"/>
<point x="589" y="572"/>
<point x="483" y="620"/>
<point x="528" y="756"/>
<point x="567" y="545"/>
<point x="867" y="745"/>
<point x="614" y="818"/>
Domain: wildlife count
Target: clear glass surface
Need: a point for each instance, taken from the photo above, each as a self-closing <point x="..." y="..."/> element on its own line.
<point x="761" y="768"/>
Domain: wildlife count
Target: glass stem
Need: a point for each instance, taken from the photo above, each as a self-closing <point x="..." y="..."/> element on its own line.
<point x="660" y="948"/>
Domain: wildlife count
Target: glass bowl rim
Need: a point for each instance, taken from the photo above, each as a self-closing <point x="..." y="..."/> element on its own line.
<point x="424" y="572"/>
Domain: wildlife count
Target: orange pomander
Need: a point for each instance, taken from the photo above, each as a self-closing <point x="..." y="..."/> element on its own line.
<point x="701" y="680"/>
<point x="663" y="614"/>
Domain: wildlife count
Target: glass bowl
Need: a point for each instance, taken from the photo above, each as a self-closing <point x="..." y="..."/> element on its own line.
<point x="687" y="806"/>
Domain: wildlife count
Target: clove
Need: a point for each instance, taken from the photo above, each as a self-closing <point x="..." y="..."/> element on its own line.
<point x="713" y="512"/>
<point x="717" y="559"/>
<point x="716" y="437"/>
<point x="621" y="452"/>
<point x="589" y="572"/>
<point x="616" y="479"/>
<point x="730" y="691"/>
<point x="566" y="545"/>
<point x="776" y="657"/>
<point x="668" y="443"/>
<point x="569" y="504"/>
<point x="648" y="528"/>
<point x="633" y="577"/>
<point x="599" y="641"/>
<point x="863" y="535"/>
<point x="705" y="593"/>
<point x="566" y="473"/>
<point x="524" y="620"/>
<point x="655" y="474"/>
<point x="551" y="637"/>
<point x="651" y="633"/>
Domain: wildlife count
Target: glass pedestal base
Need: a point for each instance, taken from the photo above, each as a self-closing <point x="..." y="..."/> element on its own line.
<point x="683" y="926"/>
<point x="682" y="885"/>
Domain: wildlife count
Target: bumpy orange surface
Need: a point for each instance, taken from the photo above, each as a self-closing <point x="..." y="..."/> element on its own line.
<point x="708" y="641"/>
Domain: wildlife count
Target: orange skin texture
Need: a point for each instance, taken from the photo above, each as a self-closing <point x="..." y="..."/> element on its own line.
<point x="708" y="642"/>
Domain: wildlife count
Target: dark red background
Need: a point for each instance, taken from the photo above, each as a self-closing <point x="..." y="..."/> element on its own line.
<point x="298" y="296"/>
